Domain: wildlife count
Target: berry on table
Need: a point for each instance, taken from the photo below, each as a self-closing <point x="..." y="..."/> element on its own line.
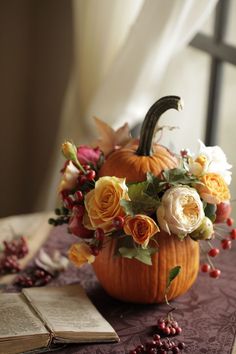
<point x="215" y="273"/>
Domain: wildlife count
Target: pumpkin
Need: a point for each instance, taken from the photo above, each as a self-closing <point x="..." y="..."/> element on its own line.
<point x="129" y="279"/>
<point x="135" y="161"/>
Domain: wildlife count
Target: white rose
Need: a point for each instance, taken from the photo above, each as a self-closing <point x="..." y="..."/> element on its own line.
<point x="210" y="159"/>
<point x="181" y="210"/>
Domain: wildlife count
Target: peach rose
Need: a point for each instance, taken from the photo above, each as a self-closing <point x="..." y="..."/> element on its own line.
<point x="214" y="189"/>
<point x="103" y="202"/>
<point x="141" y="228"/>
<point x="80" y="253"/>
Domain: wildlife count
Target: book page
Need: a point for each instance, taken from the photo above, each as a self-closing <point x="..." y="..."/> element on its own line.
<point x="69" y="313"/>
<point x="17" y="318"/>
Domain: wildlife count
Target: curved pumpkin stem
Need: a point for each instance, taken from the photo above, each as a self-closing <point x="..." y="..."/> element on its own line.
<point x="151" y="119"/>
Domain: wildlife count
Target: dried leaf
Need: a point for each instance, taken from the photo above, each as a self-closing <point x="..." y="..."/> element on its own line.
<point x="111" y="139"/>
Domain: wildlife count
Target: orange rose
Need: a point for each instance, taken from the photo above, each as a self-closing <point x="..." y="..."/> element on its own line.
<point x="141" y="228"/>
<point x="214" y="189"/>
<point x="103" y="202"/>
<point x="80" y="253"/>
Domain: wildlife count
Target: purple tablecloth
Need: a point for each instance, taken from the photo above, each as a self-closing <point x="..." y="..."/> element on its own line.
<point x="207" y="313"/>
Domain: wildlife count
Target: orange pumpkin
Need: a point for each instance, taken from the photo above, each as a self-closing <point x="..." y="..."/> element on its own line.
<point x="133" y="281"/>
<point x="129" y="279"/>
<point x="135" y="161"/>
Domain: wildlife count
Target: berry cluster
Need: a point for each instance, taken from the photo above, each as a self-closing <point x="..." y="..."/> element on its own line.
<point x="226" y="244"/>
<point x="168" y="327"/>
<point x="12" y="252"/>
<point x="159" y="345"/>
<point x="33" y="277"/>
<point x="73" y="201"/>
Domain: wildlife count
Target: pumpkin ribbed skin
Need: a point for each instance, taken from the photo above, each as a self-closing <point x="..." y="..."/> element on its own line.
<point x="125" y="162"/>
<point x="132" y="281"/>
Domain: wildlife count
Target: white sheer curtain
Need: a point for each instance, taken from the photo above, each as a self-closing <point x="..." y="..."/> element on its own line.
<point x="122" y="50"/>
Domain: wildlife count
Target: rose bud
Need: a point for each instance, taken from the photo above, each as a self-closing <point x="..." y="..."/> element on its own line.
<point x="204" y="231"/>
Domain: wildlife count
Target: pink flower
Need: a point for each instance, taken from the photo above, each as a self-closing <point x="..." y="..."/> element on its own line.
<point x="86" y="154"/>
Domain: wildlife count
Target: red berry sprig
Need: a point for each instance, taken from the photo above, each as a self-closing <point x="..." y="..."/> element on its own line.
<point x="159" y="345"/>
<point x="168" y="326"/>
<point x="12" y="252"/>
<point x="33" y="277"/>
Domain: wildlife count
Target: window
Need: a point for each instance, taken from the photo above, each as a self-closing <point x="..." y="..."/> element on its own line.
<point x="219" y="41"/>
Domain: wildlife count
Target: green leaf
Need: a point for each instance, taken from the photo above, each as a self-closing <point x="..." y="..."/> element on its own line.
<point x="139" y="253"/>
<point x="178" y="176"/>
<point x="144" y="255"/>
<point x="140" y="203"/>
<point x="128" y="252"/>
<point x="144" y="205"/>
<point x="210" y="211"/>
<point x="174" y="272"/>
<point x="136" y="190"/>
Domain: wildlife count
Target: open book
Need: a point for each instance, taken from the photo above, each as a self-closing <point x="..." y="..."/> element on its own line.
<point x="39" y="316"/>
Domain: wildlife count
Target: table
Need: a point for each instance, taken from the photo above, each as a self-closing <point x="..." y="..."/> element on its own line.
<point x="207" y="312"/>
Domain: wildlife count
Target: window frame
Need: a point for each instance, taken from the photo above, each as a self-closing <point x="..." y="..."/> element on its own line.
<point x="220" y="53"/>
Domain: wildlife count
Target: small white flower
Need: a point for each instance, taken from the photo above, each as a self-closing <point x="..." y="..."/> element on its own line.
<point x="210" y="159"/>
<point x="52" y="264"/>
<point x="69" y="178"/>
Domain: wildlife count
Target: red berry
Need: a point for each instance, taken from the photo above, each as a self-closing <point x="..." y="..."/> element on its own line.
<point x="79" y="210"/>
<point x="82" y="179"/>
<point x="99" y="234"/>
<point x="156" y="337"/>
<point x="94" y="250"/>
<point x="118" y="222"/>
<point x="87" y="167"/>
<point x="178" y="330"/>
<point x="184" y="153"/>
<point x="205" y="268"/>
<point x="226" y="244"/>
<point x="167" y="330"/>
<point x="181" y="345"/>
<point x="79" y="196"/>
<point x="172" y="331"/>
<point x="65" y="193"/>
<point x="229" y="221"/>
<point x="215" y="273"/>
<point x="223" y="211"/>
<point x="233" y="234"/>
<point x="214" y="252"/>
<point x="161" y="325"/>
<point x="68" y="202"/>
<point x="91" y="175"/>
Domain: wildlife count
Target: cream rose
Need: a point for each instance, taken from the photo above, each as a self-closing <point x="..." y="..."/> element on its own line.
<point x="181" y="210"/>
<point x="103" y="202"/>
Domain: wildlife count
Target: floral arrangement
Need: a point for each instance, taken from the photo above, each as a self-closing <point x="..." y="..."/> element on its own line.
<point x="191" y="199"/>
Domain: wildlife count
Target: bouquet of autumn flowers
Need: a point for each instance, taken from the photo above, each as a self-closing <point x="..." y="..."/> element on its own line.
<point x="187" y="200"/>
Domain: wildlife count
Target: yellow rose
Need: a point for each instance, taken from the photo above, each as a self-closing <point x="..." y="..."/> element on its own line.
<point x="103" y="202"/>
<point x="141" y="228"/>
<point x="181" y="210"/>
<point x="214" y="189"/>
<point x="80" y="253"/>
